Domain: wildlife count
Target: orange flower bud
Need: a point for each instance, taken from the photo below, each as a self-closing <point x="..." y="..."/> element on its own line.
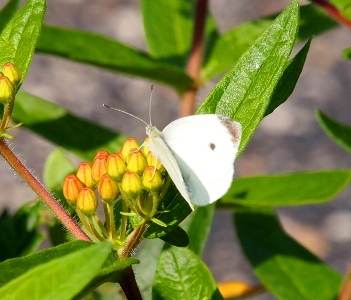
<point x="71" y="188"/>
<point x="145" y="149"/>
<point x="12" y="73"/>
<point x="84" y="173"/>
<point x="131" y="184"/>
<point x="101" y="153"/>
<point x="153" y="162"/>
<point x="136" y="162"/>
<point x="108" y="189"/>
<point x="87" y="201"/>
<point x="152" y="180"/>
<point x="129" y="144"/>
<point x="99" y="167"/>
<point x="7" y="90"/>
<point x="116" y="167"/>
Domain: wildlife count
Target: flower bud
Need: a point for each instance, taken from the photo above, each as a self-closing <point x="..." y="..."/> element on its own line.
<point x="129" y="144"/>
<point x="136" y="162"/>
<point x="131" y="184"/>
<point x="116" y="167"/>
<point x="108" y="189"/>
<point x="7" y="90"/>
<point x="84" y="173"/>
<point x="152" y="180"/>
<point x="145" y="149"/>
<point x="87" y="201"/>
<point x="12" y="73"/>
<point x="99" y="167"/>
<point x="101" y="153"/>
<point x="154" y="162"/>
<point x="71" y="188"/>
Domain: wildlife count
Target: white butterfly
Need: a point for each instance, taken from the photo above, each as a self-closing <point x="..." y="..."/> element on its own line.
<point x="198" y="153"/>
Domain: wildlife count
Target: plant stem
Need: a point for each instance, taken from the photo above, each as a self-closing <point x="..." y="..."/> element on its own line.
<point x="332" y="11"/>
<point x="112" y="221"/>
<point x="129" y="285"/>
<point x="39" y="189"/>
<point x="195" y="59"/>
<point x="135" y="239"/>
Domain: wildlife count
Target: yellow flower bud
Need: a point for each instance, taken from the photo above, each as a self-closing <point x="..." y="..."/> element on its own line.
<point x="7" y="90"/>
<point x="116" y="167"/>
<point x="145" y="149"/>
<point x="153" y="162"/>
<point x="136" y="162"/>
<point x="108" y="189"/>
<point x="101" y="153"/>
<point x="129" y="144"/>
<point x="84" y="173"/>
<point x="87" y="201"/>
<point x="71" y="188"/>
<point x="152" y="180"/>
<point x="99" y="167"/>
<point x="131" y="184"/>
<point x="12" y="73"/>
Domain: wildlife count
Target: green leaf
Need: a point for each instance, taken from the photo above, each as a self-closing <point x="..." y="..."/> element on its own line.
<point x="109" y="54"/>
<point x="18" y="39"/>
<point x="177" y="237"/>
<point x="287" y="269"/>
<point x="20" y="234"/>
<point x="229" y="47"/>
<point x="244" y="93"/>
<point x="169" y="29"/>
<point x="287" y="82"/>
<point x="283" y="190"/>
<point x="146" y="270"/>
<point x="338" y="132"/>
<point x="7" y="12"/>
<point x="174" y="210"/>
<point x="79" y="136"/>
<point x="182" y="275"/>
<point x="344" y="6"/>
<point x="198" y="226"/>
<point x="53" y="281"/>
<point x="15" y="267"/>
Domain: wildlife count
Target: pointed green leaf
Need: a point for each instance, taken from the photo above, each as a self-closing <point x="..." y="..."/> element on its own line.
<point x="229" y="47"/>
<point x="51" y="281"/>
<point x="182" y="275"/>
<point x="107" y="53"/>
<point x="337" y="131"/>
<point x="12" y="268"/>
<point x="20" y="234"/>
<point x="286" y="268"/>
<point x="177" y="237"/>
<point x="244" y="93"/>
<point x="7" y="12"/>
<point x="79" y="136"/>
<point x="18" y="39"/>
<point x="198" y="226"/>
<point x="287" y="82"/>
<point x="288" y="189"/>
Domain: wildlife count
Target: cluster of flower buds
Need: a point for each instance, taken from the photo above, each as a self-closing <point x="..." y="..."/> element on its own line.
<point x="10" y="78"/>
<point x="133" y="174"/>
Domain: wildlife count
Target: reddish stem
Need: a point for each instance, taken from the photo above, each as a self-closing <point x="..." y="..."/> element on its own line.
<point x="38" y="188"/>
<point x="195" y="59"/>
<point x="345" y="293"/>
<point x="333" y="11"/>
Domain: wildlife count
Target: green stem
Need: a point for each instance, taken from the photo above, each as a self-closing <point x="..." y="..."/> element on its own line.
<point x="102" y="227"/>
<point x="83" y="221"/>
<point x="112" y="221"/>
<point x="107" y="218"/>
<point x="96" y="234"/>
<point x="124" y="221"/>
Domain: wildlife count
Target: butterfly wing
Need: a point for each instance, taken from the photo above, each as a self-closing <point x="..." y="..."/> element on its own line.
<point x="204" y="147"/>
<point x="160" y="149"/>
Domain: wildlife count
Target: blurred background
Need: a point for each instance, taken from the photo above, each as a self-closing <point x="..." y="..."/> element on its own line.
<point x="289" y="140"/>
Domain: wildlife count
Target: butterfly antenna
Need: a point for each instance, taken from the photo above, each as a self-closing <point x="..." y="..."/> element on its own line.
<point x="152" y="89"/>
<point x="122" y="111"/>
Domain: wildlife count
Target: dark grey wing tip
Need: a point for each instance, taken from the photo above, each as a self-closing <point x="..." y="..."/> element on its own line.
<point x="234" y="127"/>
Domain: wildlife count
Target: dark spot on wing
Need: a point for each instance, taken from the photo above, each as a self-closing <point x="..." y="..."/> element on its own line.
<point x="212" y="146"/>
<point x="233" y="127"/>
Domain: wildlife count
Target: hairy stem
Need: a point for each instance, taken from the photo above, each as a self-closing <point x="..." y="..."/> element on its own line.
<point x="39" y="189"/>
<point x="195" y="59"/>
